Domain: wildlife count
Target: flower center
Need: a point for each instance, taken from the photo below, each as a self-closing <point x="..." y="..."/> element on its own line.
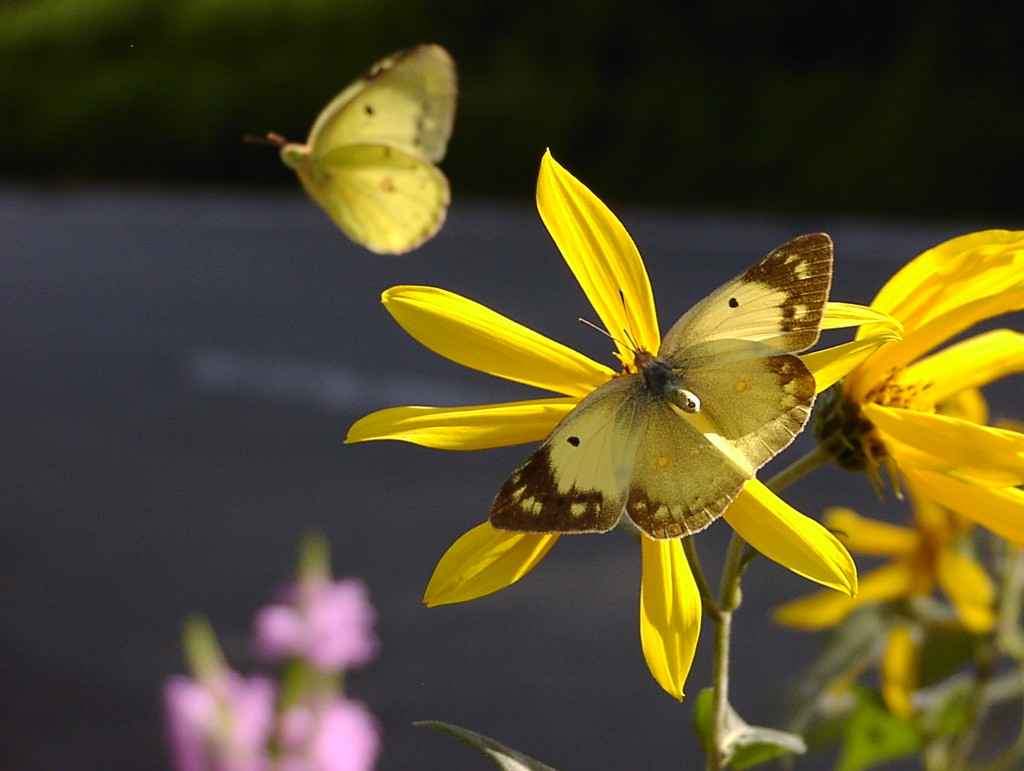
<point x="846" y="434"/>
<point x="894" y="391"/>
<point x="851" y="438"/>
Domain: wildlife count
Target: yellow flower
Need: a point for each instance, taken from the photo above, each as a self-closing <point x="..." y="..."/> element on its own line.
<point x="924" y="558"/>
<point x="884" y="412"/>
<point x="608" y="266"/>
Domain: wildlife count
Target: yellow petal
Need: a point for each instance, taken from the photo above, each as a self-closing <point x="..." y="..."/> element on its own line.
<point x="899" y="667"/>
<point x="964" y="268"/>
<point x="935" y="523"/>
<point x="969" y="588"/>
<point x="871" y="536"/>
<point x="936" y="331"/>
<point x="832" y="364"/>
<point x="993" y="457"/>
<point x="972" y="363"/>
<point x="840" y="315"/>
<point x="969" y="404"/>
<point x="824" y="609"/>
<point x="483" y="561"/>
<point x="670" y="613"/>
<point x="464" y="428"/>
<point x="475" y="336"/>
<point x="783" y="534"/>
<point x="1001" y="510"/>
<point x="600" y="254"/>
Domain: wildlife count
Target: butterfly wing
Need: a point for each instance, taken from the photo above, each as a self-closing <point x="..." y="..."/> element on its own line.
<point x="578" y="480"/>
<point x="385" y="199"/>
<point x="733" y="350"/>
<point x="779" y="301"/>
<point x="628" y="447"/>
<point x="622" y="449"/>
<point x="751" y="395"/>
<point x="681" y="482"/>
<point x="406" y="101"/>
<point x="370" y="155"/>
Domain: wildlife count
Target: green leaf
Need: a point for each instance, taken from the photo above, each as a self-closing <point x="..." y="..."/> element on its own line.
<point x="943" y="651"/>
<point x="756" y="744"/>
<point x="314" y="558"/>
<point x="501" y="756"/>
<point x="874" y="735"/>
<point x="745" y="745"/>
<point x="951" y="712"/>
<point x="202" y="651"/>
<point x="702" y="718"/>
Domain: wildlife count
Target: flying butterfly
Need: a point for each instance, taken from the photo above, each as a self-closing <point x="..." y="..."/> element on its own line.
<point x="671" y="445"/>
<point x="369" y="160"/>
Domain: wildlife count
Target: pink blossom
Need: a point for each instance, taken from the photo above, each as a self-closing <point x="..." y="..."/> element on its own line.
<point x="329" y="624"/>
<point x="221" y="726"/>
<point x="339" y="735"/>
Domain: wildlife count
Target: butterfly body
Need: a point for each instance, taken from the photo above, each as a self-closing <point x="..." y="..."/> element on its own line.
<point x="665" y="382"/>
<point x="369" y="160"/>
<point x="671" y="444"/>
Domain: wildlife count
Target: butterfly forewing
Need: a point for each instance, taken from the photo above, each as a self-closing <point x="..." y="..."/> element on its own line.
<point x="406" y="101"/>
<point x="578" y="480"/>
<point x="779" y="301"/>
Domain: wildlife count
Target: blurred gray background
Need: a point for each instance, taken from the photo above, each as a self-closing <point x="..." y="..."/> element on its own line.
<point x="186" y="339"/>
<point x="180" y="371"/>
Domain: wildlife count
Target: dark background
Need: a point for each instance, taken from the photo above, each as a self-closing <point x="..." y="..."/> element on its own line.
<point x="893" y="109"/>
<point x="185" y="339"/>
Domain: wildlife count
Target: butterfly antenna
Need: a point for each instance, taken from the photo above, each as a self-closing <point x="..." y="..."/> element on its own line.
<point x="610" y="336"/>
<point x="628" y="332"/>
<point x="594" y="326"/>
<point x="275" y="140"/>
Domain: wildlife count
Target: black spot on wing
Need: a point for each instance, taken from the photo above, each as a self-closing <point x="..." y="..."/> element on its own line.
<point x="734" y="303"/>
<point x="574" y="441"/>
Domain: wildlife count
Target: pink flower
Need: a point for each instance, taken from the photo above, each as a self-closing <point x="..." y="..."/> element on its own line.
<point x="340" y="735"/>
<point x="223" y="725"/>
<point x="328" y="624"/>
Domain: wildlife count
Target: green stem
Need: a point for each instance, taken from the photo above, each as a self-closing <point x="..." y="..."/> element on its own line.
<point x="728" y="600"/>
<point x="707" y="597"/>
<point x="799" y="468"/>
<point x="717" y="756"/>
<point x="1008" y="639"/>
<point x="962" y="745"/>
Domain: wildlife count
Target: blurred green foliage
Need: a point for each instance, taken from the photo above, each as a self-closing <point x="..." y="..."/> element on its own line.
<point x="901" y="108"/>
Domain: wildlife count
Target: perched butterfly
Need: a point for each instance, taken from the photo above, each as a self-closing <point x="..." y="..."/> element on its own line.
<point x="369" y="160"/>
<point x="672" y="444"/>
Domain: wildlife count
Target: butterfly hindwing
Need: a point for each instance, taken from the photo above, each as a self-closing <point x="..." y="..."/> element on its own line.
<point x="385" y="199"/>
<point x="762" y="398"/>
<point x="680" y="482"/>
